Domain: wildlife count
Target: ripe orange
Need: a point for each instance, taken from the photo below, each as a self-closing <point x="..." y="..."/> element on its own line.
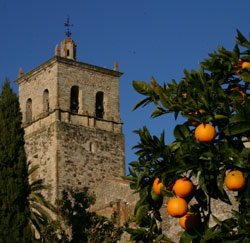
<point x="184" y="98"/>
<point x="192" y="122"/>
<point x="205" y="132"/>
<point x="184" y="95"/>
<point x="235" y="180"/>
<point x="177" y="207"/>
<point x="241" y="64"/>
<point x="183" y="187"/>
<point x="245" y="64"/>
<point x="157" y="186"/>
<point x="189" y="220"/>
<point x="237" y="72"/>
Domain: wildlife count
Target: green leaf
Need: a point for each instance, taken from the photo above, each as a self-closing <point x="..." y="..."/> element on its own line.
<point x="201" y="198"/>
<point x="128" y="178"/>
<point x="141" y="213"/>
<point x="165" y="192"/>
<point x="142" y="87"/>
<point x="217" y="220"/>
<point x="245" y="76"/>
<point x="174" y="146"/>
<point x="236" y="52"/>
<point x="187" y="236"/>
<point x="159" y="238"/>
<point x="238" y="129"/>
<point x="181" y="132"/>
<point x="220" y="117"/>
<point x="239" y="117"/>
<point x="135" y="164"/>
<point x="157" y="113"/>
<point x="164" y="100"/>
<point x="132" y="172"/>
<point x="143" y="102"/>
<point x="242" y="40"/>
<point x="141" y="176"/>
<point x="220" y="183"/>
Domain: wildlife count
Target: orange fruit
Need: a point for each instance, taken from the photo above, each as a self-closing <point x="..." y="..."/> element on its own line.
<point x="192" y="122"/>
<point x="205" y="132"/>
<point x="184" y="98"/>
<point x="183" y="187"/>
<point x="184" y="95"/>
<point x="177" y="207"/>
<point x="237" y="72"/>
<point x="157" y="186"/>
<point x="245" y="64"/>
<point x="241" y="64"/>
<point x="189" y="220"/>
<point x="235" y="180"/>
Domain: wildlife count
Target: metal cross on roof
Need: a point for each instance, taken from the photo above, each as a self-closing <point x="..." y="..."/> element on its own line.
<point x="67" y="25"/>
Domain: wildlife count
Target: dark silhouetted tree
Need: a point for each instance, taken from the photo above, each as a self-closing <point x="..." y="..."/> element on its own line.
<point x="14" y="186"/>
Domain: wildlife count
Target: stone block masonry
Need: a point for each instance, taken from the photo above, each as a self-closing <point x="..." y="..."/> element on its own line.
<point x="87" y="155"/>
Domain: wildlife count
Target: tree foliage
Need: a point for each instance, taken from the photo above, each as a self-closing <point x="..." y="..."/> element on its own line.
<point x="41" y="210"/>
<point x="14" y="186"/>
<point x="74" y="215"/>
<point x="221" y="89"/>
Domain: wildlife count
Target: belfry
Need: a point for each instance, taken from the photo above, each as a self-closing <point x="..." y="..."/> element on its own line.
<point x="72" y="124"/>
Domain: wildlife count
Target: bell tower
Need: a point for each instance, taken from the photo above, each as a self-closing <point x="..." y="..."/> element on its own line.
<point x="71" y="118"/>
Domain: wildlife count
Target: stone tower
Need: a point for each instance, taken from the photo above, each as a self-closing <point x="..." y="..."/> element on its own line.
<point x="72" y="123"/>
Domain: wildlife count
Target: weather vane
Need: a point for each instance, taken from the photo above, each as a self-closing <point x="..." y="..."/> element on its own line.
<point x="67" y="25"/>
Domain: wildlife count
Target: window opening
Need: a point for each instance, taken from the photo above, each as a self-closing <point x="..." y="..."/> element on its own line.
<point x="99" y="105"/>
<point x="46" y="100"/>
<point x="92" y="147"/>
<point x="67" y="52"/>
<point x="29" y="110"/>
<point x="74" y="99"/>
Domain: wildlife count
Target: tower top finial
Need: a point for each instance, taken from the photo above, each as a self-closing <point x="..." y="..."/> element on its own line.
<point x="116" y="66"/>
<point x="57" y="51"/>
<point x="20" y="73"/>
<point x="68" y="25"/>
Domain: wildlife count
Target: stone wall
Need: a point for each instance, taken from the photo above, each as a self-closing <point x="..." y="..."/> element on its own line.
<point x="40" y="147"/>
<point x="88" y="155"/>
<point x="74" y="156"/>
<point x="115" y="195"/>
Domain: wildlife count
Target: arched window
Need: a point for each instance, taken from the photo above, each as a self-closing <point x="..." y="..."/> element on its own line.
<point x="74" y="99"/>
<point x="29" y="110"/>
<point x="46" y="100"/>
<point x="99" y="109"/>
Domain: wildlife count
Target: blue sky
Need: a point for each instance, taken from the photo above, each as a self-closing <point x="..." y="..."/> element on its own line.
<point x="148" y="38"/>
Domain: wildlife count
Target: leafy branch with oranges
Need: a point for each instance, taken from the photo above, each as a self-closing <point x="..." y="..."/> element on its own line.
<point x="208" y="158"/>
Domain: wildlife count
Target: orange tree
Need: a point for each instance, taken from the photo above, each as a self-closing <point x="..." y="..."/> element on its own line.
<point x="220" y="90"/>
